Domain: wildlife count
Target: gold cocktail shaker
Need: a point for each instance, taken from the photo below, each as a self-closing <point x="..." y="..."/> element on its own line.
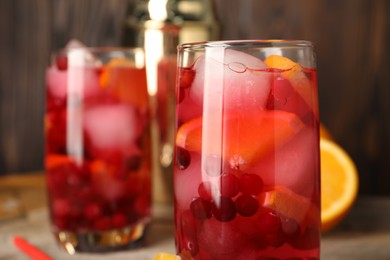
<point x="159" y="26"/>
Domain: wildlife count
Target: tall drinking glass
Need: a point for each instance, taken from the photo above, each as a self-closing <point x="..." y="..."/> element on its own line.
<point x="247" y="169"/>
<point x="98" y="148"/>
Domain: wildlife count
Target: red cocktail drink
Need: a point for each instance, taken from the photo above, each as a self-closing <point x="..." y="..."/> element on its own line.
<point x="247" y="170"/>
<point x="97" y="148"/>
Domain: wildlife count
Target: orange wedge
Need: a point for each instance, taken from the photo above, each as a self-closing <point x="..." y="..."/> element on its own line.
<point x="286" y="202"/>
<point x="166" y="256"/>
<point x="55" y="160"/>
<point x="239" y="139"/>
<point x="126" y="81"/>
<point x="339" y="183"/>
<point x="294" y="73"/>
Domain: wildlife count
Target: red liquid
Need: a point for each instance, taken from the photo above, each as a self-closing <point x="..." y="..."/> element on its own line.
<point x="236" y="195"/>
<point x="97" y="148"/>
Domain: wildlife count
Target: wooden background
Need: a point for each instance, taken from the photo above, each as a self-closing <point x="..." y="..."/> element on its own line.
<point x="352" y="39"/>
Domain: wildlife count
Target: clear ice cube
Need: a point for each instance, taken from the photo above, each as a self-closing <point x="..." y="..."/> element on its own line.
<point x="111" y="126"/>
<point x="231" y="79"/>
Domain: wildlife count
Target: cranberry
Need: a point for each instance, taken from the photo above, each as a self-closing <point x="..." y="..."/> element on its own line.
<point x="181" y="96"/>
<point x="56" y="123"/>
<point x="274" y="239"/>
<point x="92" y="211"/>
<point x="206" y="190"/>
<point x="62" y="62"/>
<point x="183" y="158"/>
<point x="229" y="185"/>
<point x="290" y="228"/>
<point x="251" y="184"/>
<point x="191" y="245"/>
<point x="84" y="194"/>
<point x="188" y="223"/>
<point x="102" y="223"/>
<point x="284" y="97"/>
<point x="270" y="226"/>
<point x="280" y="91"/>
<point x="269" y="222"/>
<point x="60" y="223"/>
<point x="133" y="163"/>
<point x="223" y="209"/>
<point x="186" y="76"/>
<point x="246" y="205"/>
<point x="119" y="220"/>
<point x="61" y="207"/>
<point x="200" y="208"/>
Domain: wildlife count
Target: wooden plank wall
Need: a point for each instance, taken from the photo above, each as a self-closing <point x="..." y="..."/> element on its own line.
<point x="351" y="38"/>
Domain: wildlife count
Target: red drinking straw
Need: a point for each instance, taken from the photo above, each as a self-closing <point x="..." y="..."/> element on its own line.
<point x="29" y="249"/>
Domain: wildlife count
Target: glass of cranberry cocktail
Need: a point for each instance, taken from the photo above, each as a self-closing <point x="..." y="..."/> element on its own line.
<point x="247" y="168"/>
<point x="97" y="155"/>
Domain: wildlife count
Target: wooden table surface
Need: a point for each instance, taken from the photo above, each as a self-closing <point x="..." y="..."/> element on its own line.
<point x="363" y="234"/>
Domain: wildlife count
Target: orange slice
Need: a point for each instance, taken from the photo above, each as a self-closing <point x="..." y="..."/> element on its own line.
<point x="55" y="160"/>
<point x="294" y="73"/>
<point x="126" y="81"/>
<point x="286" y="202"/>
<point x="166" y="256"/>
<point x="339" y="183"/>
<point x="239" y="139"/>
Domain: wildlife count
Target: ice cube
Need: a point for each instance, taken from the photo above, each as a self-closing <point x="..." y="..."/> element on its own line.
<point x="231" y="77"/>
<point x="221" y="239"/>
<point x="83" y="82"/>
<point x="56" y="82"/>
<point x="293" y="165"/>
<point x="187" y="182"/>
<point x="77" y="81"/>
<point x="111" y="126"/>
<point x="74" y="43"/>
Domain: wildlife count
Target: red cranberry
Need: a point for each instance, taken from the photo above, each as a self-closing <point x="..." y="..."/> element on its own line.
<point x="274" y="239"/>
<point x="60" y="223"/>
<point x="284" y="97"/>
<point x="92" y="211"/>
<point x="270" y="226"/>
<point x="181" y="95"/>
<point x="61" y="207"/>
<point x="183" y="158"/>
<point x="229" y="185"/>
<point x="200" y="208"/>
<point x="280" y="91"/>
<point x="206" y="190"/>
<point x="119" y="220"/>
<point x="62" y="62"/>
<point x="188" y="223"/>
<point x="290" y="228"/>
<point x="269" y="222"/>
<point x="223" y="209"/>
<point x="251" y="184"/>
<point x="186" y="76"/>
<point x="133" y="163"/>
<point x="191" y="245"/>
<point x="102" y="223"/>
<point x="246" y="205"/>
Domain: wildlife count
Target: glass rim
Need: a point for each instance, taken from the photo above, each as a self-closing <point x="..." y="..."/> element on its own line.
<point x="261" y="43"/>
